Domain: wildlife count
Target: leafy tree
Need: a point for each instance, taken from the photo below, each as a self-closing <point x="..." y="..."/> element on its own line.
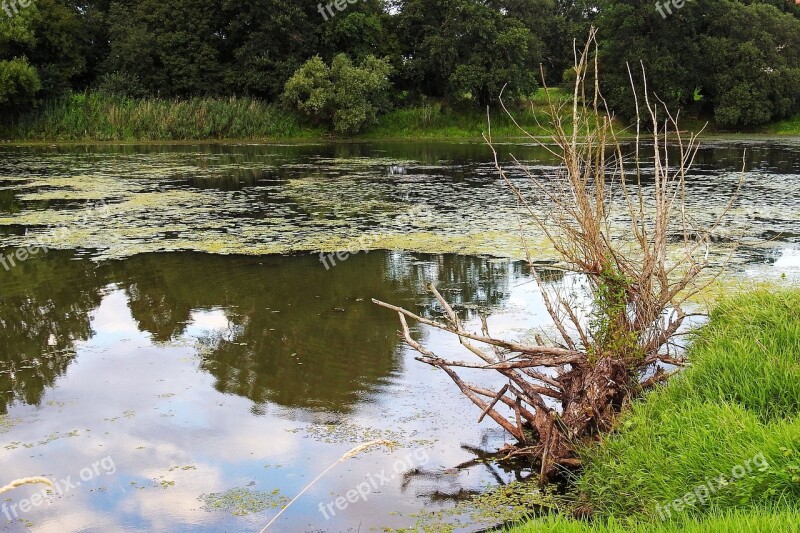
<point x="266" y="41"/>
<point x="753" y="74"/>
<point x="171" y="46"/>
<point x="61" y="47"/>
<point x="19" y="80"/>
<point x="344" y="95"/>
<point x="742" y="59"/>
<point x="633" y="33"/>
<point x="569" y="25"/>
<point x="362" y="30"/>
<point x="469" y="50"/>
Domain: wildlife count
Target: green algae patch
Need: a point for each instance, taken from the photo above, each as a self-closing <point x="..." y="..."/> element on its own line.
<point x="494" y="506"/>
<point x="128" y="200"/>
<point x="241" y="501"/>
<point x="8" y="422"/>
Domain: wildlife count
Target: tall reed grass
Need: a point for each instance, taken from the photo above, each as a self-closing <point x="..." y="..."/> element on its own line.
<point x="99" y="116"/>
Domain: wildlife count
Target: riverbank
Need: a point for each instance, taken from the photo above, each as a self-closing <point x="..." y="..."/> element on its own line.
<point x="96" y="116"/>
<point x="101" y="117"/>
<point x="718" y="448"/>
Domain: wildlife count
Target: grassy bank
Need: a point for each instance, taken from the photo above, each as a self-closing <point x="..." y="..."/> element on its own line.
<point x="785" y="127"/>
<point x="733" y="413"/>
<point x="102" y="117"/>
<point x="97" y="116"/>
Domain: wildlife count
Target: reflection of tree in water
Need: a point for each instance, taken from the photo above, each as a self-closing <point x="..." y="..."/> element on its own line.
<point x="297" y="334"/>
<point x="473" y="285"/>
<point x="444" y="485"/>
<point x="44" y="308"/>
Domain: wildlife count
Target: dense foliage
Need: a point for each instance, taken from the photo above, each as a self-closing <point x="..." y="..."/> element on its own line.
<point x="735" y="60"/>
<point x="345" y="95"/>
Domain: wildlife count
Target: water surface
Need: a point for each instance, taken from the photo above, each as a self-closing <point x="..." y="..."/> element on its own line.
<point x="183" y="328"/>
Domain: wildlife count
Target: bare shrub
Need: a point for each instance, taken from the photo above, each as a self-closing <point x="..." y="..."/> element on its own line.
<point x="641" y="254"/>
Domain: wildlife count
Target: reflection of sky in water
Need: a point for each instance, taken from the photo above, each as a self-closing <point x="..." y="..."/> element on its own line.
<point x="782" y="264"/>
<point x="151" y="408"/>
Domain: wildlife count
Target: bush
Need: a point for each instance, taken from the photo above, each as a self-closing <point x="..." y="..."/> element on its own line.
<point x="344" y="96"/>
<point x="19" y="82"/>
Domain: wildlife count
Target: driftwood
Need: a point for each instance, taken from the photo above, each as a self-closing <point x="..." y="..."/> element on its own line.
<point x="569" y="390"/>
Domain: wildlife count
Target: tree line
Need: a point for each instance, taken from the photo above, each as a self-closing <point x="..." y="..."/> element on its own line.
<point x="737" y="61"/>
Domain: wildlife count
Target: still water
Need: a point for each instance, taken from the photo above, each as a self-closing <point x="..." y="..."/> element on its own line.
<point x="179" y="361"/>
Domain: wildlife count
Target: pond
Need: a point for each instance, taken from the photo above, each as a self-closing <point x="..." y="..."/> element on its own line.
<point x="182" y="358"/>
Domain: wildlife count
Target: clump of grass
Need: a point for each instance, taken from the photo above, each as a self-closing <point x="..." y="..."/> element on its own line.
<point x="790" y="126"/>
<point x="748" y="355"/>
<point x="432" y="120"/>
<point x="740" y="398"/>
<point x="100" y="116"/>
<point x="765" y="521"/>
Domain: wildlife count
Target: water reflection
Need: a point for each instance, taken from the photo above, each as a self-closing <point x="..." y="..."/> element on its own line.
<point x="45" y="308"/>
<point x="255" y="372"/>
<point x="287" y="331"/>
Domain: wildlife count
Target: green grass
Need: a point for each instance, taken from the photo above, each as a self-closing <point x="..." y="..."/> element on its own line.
<point x="732" y="413"/>
<point x="433" y="122"/>
<point x="758" y="521"/>
<point x="97" y="116"/>
<point x="789" y="126"/>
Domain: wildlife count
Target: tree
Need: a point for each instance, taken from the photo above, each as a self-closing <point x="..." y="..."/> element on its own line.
<point x="632" y="32"/>
<point x="61" y="47"/>
<point x="19" y="80"/>
<point x="266" y="41"/>
<point x="344" y="95"/>
<point x="739" y="59"/>
<point x="468" y="50"/>
<point x="364" y="29"/>
<point x="753" y="66"/>
<point x="173" y="47"/>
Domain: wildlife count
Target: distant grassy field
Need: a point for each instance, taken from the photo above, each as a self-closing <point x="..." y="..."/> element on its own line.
<point x="733" y="413"/>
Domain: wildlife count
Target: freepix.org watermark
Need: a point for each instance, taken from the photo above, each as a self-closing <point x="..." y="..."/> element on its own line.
<point x="665" y="8"/>
<point x="60" y="487"/>
<point x="340" y="6"/>
<point x="373" y="482"/>
<point x="702" y="493"/>
<point x="418" y="214"/>
<point x="12" y="7"/>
